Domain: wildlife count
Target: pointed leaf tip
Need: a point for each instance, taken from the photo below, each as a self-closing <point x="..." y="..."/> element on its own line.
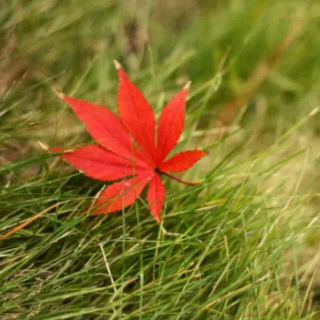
<point x="187" y="86"/>
<point x="58" y="93"/>
<point x="117" y="64"/>
<point x="43" y="146"/>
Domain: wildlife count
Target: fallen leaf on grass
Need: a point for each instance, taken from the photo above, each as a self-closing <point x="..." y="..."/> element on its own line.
<point x="129" y="147"/>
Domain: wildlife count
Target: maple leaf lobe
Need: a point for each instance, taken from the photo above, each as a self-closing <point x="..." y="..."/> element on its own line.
<point x="155" y="197"/>
<point x="170" y="125"/>
<point x="120" y="195"/>
<point x="136" y="115"/>
<point x="182" y="161"/>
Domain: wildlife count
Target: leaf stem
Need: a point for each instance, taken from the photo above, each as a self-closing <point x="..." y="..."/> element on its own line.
<point x="179" y="180"/>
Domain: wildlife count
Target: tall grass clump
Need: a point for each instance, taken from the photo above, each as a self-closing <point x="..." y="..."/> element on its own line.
<point x="221" y="257"/>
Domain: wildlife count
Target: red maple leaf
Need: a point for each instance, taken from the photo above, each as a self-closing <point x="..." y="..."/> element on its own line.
<point x="129" y="147"/>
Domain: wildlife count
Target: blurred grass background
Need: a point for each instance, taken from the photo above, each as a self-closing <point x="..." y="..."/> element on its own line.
<point x="246" y="241"/>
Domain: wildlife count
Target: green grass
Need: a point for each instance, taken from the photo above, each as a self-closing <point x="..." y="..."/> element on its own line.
<point x="238" y="245"/>
<point x="224" y="259"/>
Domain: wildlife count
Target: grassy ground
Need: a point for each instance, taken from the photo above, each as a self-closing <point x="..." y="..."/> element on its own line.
<point x="241" y="245"/>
